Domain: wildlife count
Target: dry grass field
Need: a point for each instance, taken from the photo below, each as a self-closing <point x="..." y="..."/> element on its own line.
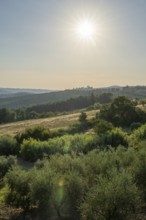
<point x="51" y="123"/>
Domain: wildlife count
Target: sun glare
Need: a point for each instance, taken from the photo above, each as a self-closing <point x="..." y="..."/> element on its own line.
<point x="86" y="30"/>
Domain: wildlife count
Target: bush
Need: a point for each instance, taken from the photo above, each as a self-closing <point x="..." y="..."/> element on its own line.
<point x="104" y="184"/>
<point x="75" y="188"/>
<point x="115" y="137"/>
<point x="135" y="125"/>
<point x="8" y="146"/>
<point x="30" y="188"/>
<point x="32" y="150"/>
<point x="41" y="190"/>
<point x="75" y="128"/>
<point x="77" y="144"/>
<point x="83" y="117"/>
<point x="139" y="170"/>
<point x="138" y="135"/>
<point x="5" y="164"/>
<point x="122" y="112"/>
<point x="38" y="133"/>
<point x="102" y="127"/>
<point x="116" y="197"/>
<point x="19" y="193"/>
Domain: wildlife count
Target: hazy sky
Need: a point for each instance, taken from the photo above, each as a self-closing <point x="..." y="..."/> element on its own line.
<point x="39" y="47"/>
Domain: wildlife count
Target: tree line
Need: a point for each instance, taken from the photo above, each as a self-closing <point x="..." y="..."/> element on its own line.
<point x="49" y="110"/>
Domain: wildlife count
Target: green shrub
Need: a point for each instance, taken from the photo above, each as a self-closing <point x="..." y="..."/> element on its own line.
<point x="8" y="146"/>
<point x="139" y="170"/>
<point x="138" y="135"/>
<point x="5" y="164"/>
<point x="32" y="150"/>
<point x="102" y="127"/>
<point x="41" y="190"/>
<point x="75" y="188"/>
<point x="116" y="197"/>
<point x="115" y="137"/>
<point x="19" y="193"/>
<point x="75" y="128"/>
<point x="30" y="188"/>
<point x="122" y="112"/>
<point x="104" y="184"/>
<point x="135" y="125"/>
<point x="83" y="118"/>
<point x="38" y="133"/>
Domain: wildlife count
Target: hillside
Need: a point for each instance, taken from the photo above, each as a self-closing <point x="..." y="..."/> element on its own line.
<point x="56" y="171"/>
<point x="51" y="123"/>
<point x="27" y="100"/>
<point x="14" y="92"/>
<point x="37" y="99"/>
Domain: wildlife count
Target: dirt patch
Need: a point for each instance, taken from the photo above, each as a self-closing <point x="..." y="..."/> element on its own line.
<point x="7" y="213"/>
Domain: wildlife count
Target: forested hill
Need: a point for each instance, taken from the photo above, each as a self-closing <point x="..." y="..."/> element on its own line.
<point x="52" y="97"/>
<point x="14" y="92"/>
<point x="57" y="96"/>
<point x="72" y="104"/>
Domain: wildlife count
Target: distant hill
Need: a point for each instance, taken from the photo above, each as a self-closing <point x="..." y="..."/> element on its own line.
<point x="27" y="98"/>
<point x="13" y="92"/>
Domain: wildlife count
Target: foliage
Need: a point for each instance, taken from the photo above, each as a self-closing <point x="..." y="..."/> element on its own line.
<point x="6" y="115"/>
<point x="41" y="190"/>
<point x="71" y="104"/>
<point x="138" y="135"/>
<point x="135" y="125"/>
<point x="38" y="133"/>
<point x="115" y="197"/>
<point x="103" y="184"/>
<point x="30" y="188"/>
<point x="18" y="182"/>
<point x="102" y="127"/>
<point x="93" y="175"/>
<point x="116" y="137"/>
<point x="5" y="164"/>
<point x="139" y="170"/>
<point x="122" y="112"/>
<point x="83" y="118"/>
<point x="32" y="149"/>
<point x="52" y="109"/>
<point x="8" y="146"/>
<point x="75" y="188"/>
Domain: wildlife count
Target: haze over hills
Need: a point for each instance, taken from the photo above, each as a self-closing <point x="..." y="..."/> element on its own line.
<point x="17" y="98"/>
<point x="12" y="92"/>
<point x="30" y="99"/>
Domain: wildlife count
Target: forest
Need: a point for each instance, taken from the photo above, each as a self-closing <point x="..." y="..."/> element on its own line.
<point x="95" y="169"/>
<point x="48" y="110"/>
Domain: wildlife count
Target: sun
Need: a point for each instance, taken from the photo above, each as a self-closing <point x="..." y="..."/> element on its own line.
<point x="86" y="29"/>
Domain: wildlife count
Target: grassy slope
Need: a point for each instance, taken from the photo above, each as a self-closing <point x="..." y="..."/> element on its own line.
<point x="52" y="123"/>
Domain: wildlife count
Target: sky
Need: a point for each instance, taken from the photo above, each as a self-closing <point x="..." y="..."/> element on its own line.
<point x="40" y="48"/>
